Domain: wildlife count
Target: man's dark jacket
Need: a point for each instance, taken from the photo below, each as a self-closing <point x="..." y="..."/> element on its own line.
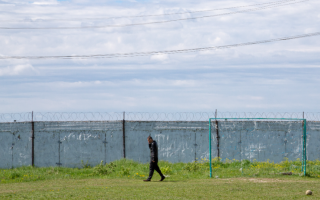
<point x="154" y="151"/>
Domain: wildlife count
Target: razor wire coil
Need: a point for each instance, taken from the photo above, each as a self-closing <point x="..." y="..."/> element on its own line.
<point x="148" y="116"/>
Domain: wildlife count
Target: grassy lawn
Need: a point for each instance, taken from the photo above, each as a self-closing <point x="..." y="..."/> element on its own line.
<point x="229" y="188"/>
<point x="123" y="180"/>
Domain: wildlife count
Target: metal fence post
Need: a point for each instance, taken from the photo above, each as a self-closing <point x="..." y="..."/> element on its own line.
<point x="32" y="140"/>
<point x="305" y="145"/>
<point x="210" y="147"/>
<point x="124" y="135"/>
<point x="304" y="136"/>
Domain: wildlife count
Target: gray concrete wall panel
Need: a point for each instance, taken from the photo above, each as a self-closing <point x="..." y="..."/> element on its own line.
<point x="114" y="142"/>
<point x="202" y="141"/>
<point x="77" y="146"/>
<point x="313" y="140"/>
<point x="46" y="146"/>
<point x="22" y="145"/>
<point x="260" y="141"/>
<point x="15" y="144"/>
<point x="6" y="140"/>
<point x="69" y="143"/>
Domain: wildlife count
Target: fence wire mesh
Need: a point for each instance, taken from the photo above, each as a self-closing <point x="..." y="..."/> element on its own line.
<point x="148" y="116"/>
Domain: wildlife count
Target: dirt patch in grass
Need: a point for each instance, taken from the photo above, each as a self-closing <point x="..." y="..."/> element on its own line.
<point x="273" y="180"/>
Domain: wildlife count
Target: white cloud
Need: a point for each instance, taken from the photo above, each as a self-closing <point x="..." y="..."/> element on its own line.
<point x="160" y="57"/>
<point x="255" y="98"/>
<point x="46" y="2"/>
<point x="26" y="69"/>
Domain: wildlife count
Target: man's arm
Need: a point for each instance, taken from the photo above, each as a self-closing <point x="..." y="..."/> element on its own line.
<point x="155" y="151"/>
<point x="153" y="147"/>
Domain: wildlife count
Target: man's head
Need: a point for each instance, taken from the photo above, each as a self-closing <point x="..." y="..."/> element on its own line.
<point x="150" y="140"/>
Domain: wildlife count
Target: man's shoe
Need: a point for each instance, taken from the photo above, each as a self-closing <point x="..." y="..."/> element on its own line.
<point x="147" y="180"/>
<point x="162" y="178"/>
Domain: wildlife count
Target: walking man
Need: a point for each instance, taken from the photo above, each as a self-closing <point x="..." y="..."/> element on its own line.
<point x="154" y="159"/>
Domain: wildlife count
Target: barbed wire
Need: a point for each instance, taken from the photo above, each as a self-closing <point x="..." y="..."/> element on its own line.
<point x="18" y="117"/>
<point x="148" y="116"/>
<point x="177" y="116"/>
<point x="78" y="116"/>
<point x="261" y="115"/>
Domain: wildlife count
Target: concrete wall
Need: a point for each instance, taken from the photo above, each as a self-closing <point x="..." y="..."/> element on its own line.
<point x="261" y="140"/>
<point x="67" y="143"/>
<point x="15" y="144"/>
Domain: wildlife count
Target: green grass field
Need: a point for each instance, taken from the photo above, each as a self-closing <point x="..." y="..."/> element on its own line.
<point x="123" y="180"/>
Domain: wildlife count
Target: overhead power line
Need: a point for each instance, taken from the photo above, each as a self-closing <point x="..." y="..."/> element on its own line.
<point x="157" y="15"/>
<point x="156" y="22"/>
<point x="134" y="54"/>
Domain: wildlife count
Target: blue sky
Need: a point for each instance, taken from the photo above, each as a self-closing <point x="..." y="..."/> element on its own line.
<point x="282" y="76"/>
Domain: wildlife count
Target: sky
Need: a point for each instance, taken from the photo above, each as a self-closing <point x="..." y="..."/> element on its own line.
<point x="272" y="77"/>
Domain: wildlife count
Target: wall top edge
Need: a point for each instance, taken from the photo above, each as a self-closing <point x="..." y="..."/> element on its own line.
<point x="207" y="121"/>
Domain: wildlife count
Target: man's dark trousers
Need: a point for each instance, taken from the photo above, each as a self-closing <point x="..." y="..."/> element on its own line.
<point x="154" y="166"/>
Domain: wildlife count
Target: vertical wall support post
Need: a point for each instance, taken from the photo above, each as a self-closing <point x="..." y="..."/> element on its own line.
<point x="218" y="136"/>
<point x="302" y="160"/>
<point x="59" y="142"/>
<point x="218" y="140"/>
<point x="124" y="135"/>
<point x="32" y="140"/>
<point x="304" y="146"/>
<point x="210" y="147"/>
